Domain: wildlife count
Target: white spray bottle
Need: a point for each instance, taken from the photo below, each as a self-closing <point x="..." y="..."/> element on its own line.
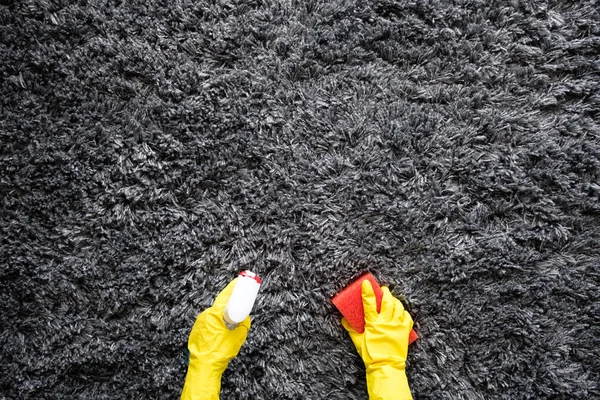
<point x="242" y="299"/>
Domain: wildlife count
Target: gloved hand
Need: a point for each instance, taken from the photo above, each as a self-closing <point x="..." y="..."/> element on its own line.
<point x="384" y="345"/>
<point x="211" y="347"/>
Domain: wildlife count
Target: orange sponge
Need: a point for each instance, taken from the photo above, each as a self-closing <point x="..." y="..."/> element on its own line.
<point x="349" y="302"/>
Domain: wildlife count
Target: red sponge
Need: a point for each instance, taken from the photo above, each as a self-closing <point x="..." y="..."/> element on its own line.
<point x="349" y="302"/>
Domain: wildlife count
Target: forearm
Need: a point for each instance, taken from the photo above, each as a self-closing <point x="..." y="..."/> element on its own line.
<point x="388" y="382"/>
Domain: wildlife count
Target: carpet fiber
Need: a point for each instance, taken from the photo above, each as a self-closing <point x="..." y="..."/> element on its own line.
<point x="150" y="150"/>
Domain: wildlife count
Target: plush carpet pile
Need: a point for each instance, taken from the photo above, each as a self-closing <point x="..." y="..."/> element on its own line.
<point x="150" y="150"/>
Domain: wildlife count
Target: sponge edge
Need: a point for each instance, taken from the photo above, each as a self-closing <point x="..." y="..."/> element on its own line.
<point x="349" y="303"/>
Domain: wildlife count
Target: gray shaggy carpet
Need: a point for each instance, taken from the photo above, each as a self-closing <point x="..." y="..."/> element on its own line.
<point x="150" y="150"/>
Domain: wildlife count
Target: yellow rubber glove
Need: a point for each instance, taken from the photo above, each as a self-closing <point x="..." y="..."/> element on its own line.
<point x="384" y="345"/>
<point x="211" y="347"/>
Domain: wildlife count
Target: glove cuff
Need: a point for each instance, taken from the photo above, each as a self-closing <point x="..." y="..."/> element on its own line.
<point x="202" y="382"/>
<point x="388" y="381"/>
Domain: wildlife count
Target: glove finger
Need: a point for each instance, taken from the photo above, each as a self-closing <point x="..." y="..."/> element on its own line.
<point x="354" y="336"/>
<point x="347" y="326"/>
<point x="223" y="297"/>
<point x="388" y="304"/>
<point x="407" y="319"/>
<point x="369" y="301"/>
<point x="399" y="311"/>
<point x="246" y="323"/>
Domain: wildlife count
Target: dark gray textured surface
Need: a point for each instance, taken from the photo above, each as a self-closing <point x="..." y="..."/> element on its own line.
<point x="150" y="150"/>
